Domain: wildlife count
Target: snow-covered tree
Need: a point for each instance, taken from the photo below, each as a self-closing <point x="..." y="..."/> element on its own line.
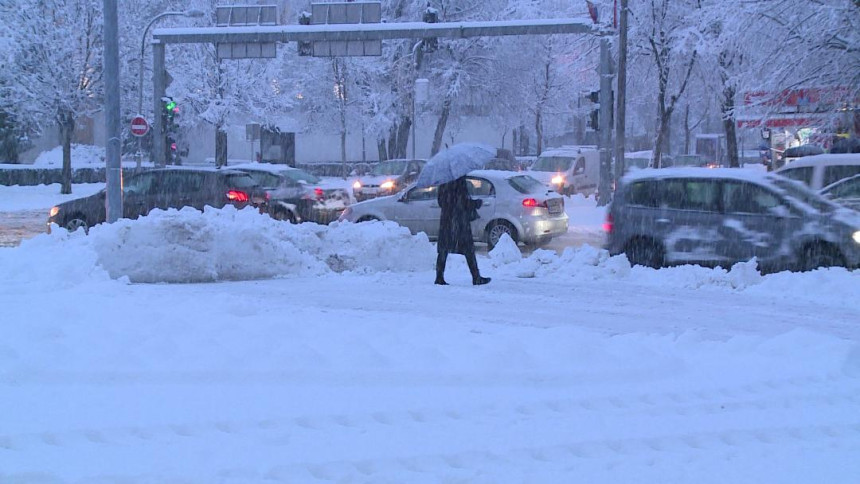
<point x="57" y="59"/>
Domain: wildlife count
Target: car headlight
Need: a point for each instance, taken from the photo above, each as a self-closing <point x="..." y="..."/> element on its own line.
<point x="356" y="185"/>
<point x="856" y="236"/>
<point x="56" y="210"/>
<point x="557" y="180"/>
<point x="387" y="185"/>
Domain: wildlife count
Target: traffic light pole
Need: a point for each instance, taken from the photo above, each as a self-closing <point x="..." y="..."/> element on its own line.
<point x="159" y="146"/>
<point x="113" y="178"/>
<point x="605" y="130"/>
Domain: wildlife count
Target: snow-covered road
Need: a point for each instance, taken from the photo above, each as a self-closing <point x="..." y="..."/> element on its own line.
<point x="570" y="367"/>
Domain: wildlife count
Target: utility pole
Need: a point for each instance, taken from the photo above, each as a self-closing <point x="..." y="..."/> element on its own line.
<point x="113" y="178"/>
<point x="621" y="95"/>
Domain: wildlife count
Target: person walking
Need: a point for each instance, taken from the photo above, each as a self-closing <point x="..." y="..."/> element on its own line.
<point x="455" y="228"/>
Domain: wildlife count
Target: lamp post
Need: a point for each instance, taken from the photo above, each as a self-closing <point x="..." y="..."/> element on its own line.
<point x="194" y="13"/>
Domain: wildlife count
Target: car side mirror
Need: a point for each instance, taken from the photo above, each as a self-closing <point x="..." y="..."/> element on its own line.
<point x="403" y="198"/>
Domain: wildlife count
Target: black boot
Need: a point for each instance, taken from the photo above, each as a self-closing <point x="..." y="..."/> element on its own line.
<point x="477" y="280"/>
<point x="440" y="269"/>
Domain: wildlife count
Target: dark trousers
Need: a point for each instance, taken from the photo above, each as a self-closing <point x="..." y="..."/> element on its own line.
<point x="471" y="260"/>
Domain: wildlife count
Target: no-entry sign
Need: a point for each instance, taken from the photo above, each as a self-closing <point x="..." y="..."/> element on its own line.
<point x="139" y="126"/>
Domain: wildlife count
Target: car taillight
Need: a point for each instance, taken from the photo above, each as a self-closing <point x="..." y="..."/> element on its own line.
<point x="237" y="196"/>
<point x="531" y="202"/>
<point x="318" y="192"/>
<point x="609" y="224"/>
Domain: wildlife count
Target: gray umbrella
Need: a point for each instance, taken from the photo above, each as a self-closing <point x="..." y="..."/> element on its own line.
<point x="454" y="162"/>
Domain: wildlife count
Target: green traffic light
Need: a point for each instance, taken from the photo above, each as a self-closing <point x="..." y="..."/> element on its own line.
<point x="170" y="105"/>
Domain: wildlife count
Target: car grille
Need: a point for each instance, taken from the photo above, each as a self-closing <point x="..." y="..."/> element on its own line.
<point x="555" y="206"/>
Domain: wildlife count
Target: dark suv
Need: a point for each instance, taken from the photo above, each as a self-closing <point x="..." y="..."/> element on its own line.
<point x="173" y="187"/>
<point x="718" y="217"/>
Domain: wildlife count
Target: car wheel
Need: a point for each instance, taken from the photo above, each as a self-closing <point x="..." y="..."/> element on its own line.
<point x="284" y="216"/>
<point x="820" y="255"/>
<point x="497" y="229"/>
<point x="645" y="252"/>
<point x="75" y="222"/>
<point x="368" y="218"/>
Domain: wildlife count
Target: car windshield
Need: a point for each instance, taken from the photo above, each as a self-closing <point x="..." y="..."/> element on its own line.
<point x="552" y="163"/>
<point x="240" y="180"/>
<point x="301" y="176"/>
<point x="389" y="168"/>
<point x="800" y="192"/>
<point x="526" y="184"/>
<point x="264" y="178"/>
<point x="637" y="162"/>
<point x="689" y="160"/>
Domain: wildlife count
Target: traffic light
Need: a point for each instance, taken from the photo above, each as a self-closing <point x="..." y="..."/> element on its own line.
<point x="171" y="127"/>
<point x="431" y="16"/>
<point x="305" y="48"/>
<point x="594" y="114"/>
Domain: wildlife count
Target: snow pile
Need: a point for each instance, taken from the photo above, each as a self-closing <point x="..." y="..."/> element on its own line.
<point x="224" y="244"/>
<point x="82" y="156"/>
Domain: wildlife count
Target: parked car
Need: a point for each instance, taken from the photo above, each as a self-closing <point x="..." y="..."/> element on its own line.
<point x="717" y="217"/>
<point x="845" y="192"/>
<point x="296" y="195"/>
<point x="568" y="170"/>
<point x="513" y="203"/>
<point x="173" y="187"/>
<point x="387" y="178"/>
<point x="819" y="171"/>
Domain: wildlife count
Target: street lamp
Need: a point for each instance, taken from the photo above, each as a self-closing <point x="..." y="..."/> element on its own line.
<point x="188" y="13"/>
<point x="195" y="13"/>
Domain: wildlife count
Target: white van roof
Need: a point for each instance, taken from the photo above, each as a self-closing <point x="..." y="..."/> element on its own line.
<point x="824" y="159"/>
<point x="568" y="150"/>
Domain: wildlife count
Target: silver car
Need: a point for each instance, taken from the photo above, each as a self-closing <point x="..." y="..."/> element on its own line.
<point x="718" y="217"/>
<point x="513" y="203"/>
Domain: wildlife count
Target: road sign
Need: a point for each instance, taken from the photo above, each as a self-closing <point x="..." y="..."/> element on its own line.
<point x="139" y="126"/>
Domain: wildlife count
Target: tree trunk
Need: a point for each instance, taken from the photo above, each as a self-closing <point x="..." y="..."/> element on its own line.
<point x="402" y="137"/>
<point x="67" y="130"/>
<point x="220" y="146"/>
<point x="392" y="142"/>
<point x="440" y="126"/>
<point x="728" y="108"/>
<point x="380" y="146"/>
<point x="539" y="131"/>
<point x="687" y="130"/>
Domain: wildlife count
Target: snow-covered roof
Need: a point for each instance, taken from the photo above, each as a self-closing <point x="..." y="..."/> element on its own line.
<point x="694" y="172"/>
<point x="825" y="159"/>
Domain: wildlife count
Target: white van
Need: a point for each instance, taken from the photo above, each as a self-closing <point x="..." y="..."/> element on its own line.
<point x="819" y="171"/>
<point x="569" y="169"/>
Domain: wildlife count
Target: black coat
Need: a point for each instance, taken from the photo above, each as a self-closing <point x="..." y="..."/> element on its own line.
<point x="455" y="223"/>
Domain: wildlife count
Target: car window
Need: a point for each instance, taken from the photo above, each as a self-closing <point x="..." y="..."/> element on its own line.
<point x="690" y="195"/>
<point x="479" y="187"/>
<point x="747" y="198"/>
<point x="140" y="184"/>
<point x="389" y="168"/>
<point x="579" y="167"/>
<point x="419" y="194"/>
<point x="803" y="174"/>
<point x="240" y="180"/>
<point x="414" y="167"/>
<point x="804" y="194"/>
<point x="526" y="184"/>
<point x="846" y="189"/>
<point x="552" y="163"/>
<point x="264" y="179"/>
<point x="644" y="193"/>
<point x="301" y="176"/>
<point x="833" y="174"/>
<point x="179" y="182"/>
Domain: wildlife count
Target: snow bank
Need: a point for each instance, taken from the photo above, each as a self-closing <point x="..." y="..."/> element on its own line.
<point x="82" y="156"/>
<point x="186" y="245"/>
<point x="588" y="263"/>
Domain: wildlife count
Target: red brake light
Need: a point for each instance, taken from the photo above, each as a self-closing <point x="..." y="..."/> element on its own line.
<point x="318" y="192"/>
<point x="237" y="196"/>
<point x="531" y="202"/>
<point x="609" y="224"/>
